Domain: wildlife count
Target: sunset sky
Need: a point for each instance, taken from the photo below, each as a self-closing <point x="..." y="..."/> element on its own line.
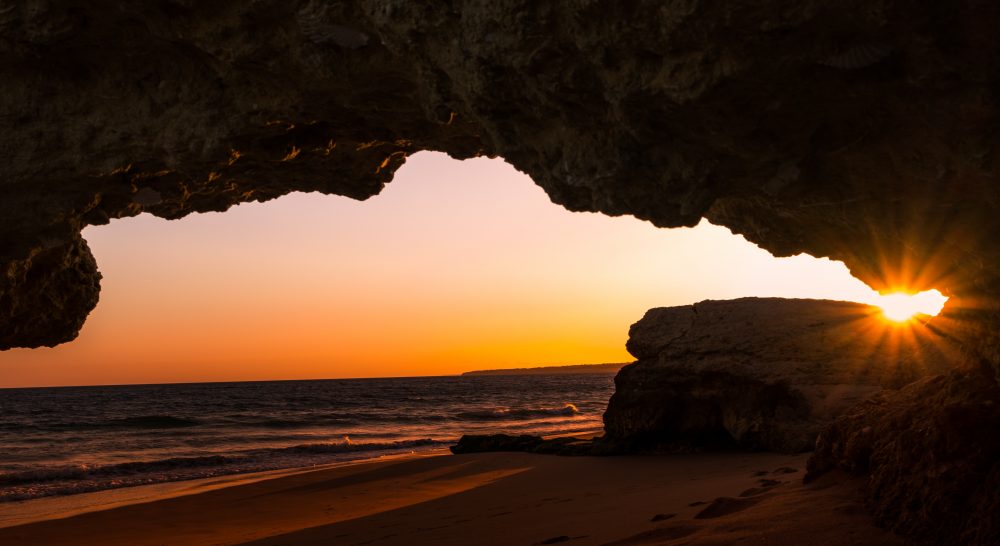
<point x="455" y="266"/>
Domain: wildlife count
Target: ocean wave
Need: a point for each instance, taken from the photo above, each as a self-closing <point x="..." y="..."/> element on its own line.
<point x="342" y="419"/>
<point x="85" y="472"/>
<point x="161" y="466"/>
<point x="347" y="446"/>
<point x="275" y="423"/>
<point x="134" y="435"/>
<point x="153" y="421"/>
<point x="567" y="410"/>
<point x="138" y="422"/>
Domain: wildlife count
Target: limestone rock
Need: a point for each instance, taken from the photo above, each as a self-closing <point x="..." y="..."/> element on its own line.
<point x="932" y="456"/>
<point x="66" y="268"/>
<point x="862" y="130"/>
<point x="760" y="373"/>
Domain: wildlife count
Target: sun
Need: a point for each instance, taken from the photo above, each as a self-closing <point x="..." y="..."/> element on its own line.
<point x="901" y="307"/>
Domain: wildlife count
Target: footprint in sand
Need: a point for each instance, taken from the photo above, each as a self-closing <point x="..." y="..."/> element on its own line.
<point x="723" y="506"/>
<point x="765" y="486"/>
<point x="553" y="500"/>
<point x="754" y="491"/>
<point x="558" y="539"/>
<point x="656" y="536"/>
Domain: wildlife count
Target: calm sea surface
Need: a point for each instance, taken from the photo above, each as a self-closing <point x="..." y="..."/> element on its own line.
<point x="59" y="441"/>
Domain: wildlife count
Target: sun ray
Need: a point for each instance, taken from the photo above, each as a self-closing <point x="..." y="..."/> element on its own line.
<point x="903" y="307"/>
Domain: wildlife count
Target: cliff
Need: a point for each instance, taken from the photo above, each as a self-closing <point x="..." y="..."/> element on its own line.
<point x="931" y="455"/>
<point x="760" y="373"/>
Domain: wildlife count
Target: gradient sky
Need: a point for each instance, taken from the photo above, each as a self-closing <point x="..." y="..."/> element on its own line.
<point x="455" y="266"/>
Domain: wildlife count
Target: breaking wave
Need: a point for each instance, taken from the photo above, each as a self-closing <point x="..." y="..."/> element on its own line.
<point x="82" y="472"/>
<point x="61" y="441"/>
<point x="567" y="410"/>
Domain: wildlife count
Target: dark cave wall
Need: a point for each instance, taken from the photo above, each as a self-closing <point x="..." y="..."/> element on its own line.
<point x="862" y="131"/>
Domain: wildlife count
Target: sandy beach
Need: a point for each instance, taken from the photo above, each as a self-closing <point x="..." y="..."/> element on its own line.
<point x="492" y="498"/>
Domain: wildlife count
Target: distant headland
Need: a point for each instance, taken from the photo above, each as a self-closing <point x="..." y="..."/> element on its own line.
<point x="549" y="370"/>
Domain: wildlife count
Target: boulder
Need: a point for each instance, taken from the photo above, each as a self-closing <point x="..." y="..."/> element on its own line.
<point x="526" y="443"/>
<point x="760" y="373"/>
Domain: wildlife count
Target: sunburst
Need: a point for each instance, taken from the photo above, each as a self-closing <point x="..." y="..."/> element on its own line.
<point x="902" y="307"/>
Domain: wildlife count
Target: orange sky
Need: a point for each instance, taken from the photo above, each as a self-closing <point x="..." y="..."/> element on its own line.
<point x="455" y="266"/>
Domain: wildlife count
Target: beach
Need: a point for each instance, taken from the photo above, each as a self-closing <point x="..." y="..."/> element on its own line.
<point x="489" y="498"/>
<point x="130" y="435"/>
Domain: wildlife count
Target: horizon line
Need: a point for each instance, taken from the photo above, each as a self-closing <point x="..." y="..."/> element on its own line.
<point x="356" y="378"/>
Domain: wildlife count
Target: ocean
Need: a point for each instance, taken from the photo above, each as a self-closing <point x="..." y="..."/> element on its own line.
<point x="65" y="440"/>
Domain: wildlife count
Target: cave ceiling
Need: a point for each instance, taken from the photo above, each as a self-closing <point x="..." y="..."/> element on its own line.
<point x="863" y="131"/>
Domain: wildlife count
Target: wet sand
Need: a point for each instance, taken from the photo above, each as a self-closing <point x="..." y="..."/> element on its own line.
<point x="486" y="499"/>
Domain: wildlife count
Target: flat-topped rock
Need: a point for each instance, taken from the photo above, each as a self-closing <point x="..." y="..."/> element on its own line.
<point x="760" y="373"/>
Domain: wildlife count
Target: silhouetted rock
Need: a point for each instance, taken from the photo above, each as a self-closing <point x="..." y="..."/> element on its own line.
<point x="758" y="373"/>
<point x="478" y="443"/>
<point x="859" y="130"/>
<point x="931" y="452"/>
<point x="482" y="443"/>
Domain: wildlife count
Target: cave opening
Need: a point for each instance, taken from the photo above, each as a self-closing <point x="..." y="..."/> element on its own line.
<point x="462" y="264"/>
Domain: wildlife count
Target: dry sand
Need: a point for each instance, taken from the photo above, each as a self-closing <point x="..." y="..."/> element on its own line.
<point x="481" y="499"/>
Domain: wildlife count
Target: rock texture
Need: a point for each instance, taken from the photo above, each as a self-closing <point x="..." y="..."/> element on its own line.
<point x="932" y="455"/>
<point x="862" y="130"/>
<point x="760" y="373"/>
<point x="859" y="130"/>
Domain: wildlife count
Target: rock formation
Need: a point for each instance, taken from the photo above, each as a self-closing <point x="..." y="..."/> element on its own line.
<point x="760" y="373"/>
<point x="932" y="455"/>
<point x="859" y="130"/>
<point x="862" y="130"/>
<point x="484" y="443"/>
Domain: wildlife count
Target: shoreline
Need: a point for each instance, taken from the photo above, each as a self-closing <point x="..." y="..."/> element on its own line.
<point x="23" y="512"/>
<point x="495" y="498"/>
